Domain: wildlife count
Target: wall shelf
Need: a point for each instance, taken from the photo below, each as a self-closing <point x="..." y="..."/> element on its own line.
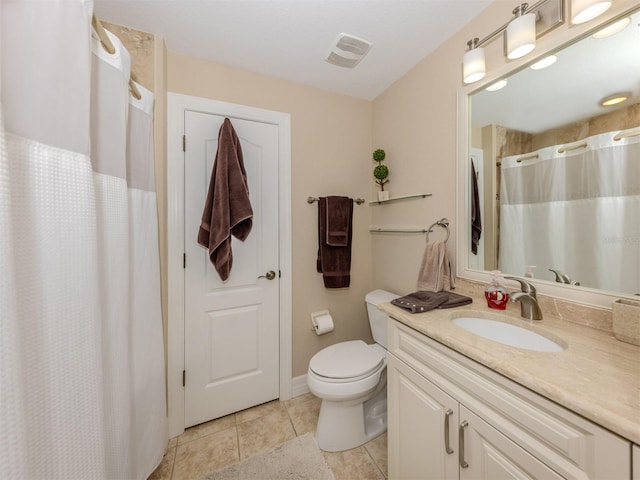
<point x="397" y="229"/>
<point x="395" y="199"/>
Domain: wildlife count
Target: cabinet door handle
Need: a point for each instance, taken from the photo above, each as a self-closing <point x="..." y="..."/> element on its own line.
<point x="447" y="445"/>
<point x="463" y="463"/>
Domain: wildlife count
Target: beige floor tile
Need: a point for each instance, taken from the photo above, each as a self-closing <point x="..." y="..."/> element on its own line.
<point x="259" y="411"/>
<point x="263" y="433"/>
<point x="299" y="400"/>
<point x="207" y="428"/>
<point x="172" y="442"/>
<point x="304" y="416"/>
<point x="203" y="455"/>
<point x="165" y="469"/>
<point x="377" y="448"/>
<point x="353" y="464"/>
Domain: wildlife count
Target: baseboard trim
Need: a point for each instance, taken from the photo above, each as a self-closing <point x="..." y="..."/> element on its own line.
<point x="299" y="386"/>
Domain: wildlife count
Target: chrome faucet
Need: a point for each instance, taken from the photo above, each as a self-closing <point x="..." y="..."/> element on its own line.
<point x="529" y="307"/>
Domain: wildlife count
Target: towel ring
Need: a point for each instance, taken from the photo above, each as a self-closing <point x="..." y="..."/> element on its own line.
<point x="444" y="223"/>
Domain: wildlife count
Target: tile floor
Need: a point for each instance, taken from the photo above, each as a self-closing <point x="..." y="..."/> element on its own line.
<point x="227" y="440"/>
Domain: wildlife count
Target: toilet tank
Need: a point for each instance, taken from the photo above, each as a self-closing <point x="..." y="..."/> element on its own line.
<point x="377" y="318"/>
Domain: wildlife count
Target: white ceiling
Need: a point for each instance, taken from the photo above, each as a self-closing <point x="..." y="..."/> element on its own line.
<point x="288" y="39"/>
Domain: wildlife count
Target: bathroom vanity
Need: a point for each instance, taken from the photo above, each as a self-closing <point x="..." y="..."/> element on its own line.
<point x="461" y="406"/>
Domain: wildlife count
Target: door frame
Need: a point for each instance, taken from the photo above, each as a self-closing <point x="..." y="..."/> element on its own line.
<point x="177" y="104"/>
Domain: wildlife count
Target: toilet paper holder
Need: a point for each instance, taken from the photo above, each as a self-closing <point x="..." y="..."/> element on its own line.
<point x="318" y="320"/>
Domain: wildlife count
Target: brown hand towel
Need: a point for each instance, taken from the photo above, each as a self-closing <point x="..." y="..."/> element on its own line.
<point x="455" y="300"/>
<point x="435" y="272"/>
<point x="227" y="210"/>
<point x="418" y="302"/>
<point x="334" y="262"/>
<point x="421" y="301"/>
<point x="476" y="213"/>
<point x="339" y="211"/>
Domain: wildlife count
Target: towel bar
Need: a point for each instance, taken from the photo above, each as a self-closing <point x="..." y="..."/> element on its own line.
<point x="397" y="230"/>
<point x="358" y="201"/>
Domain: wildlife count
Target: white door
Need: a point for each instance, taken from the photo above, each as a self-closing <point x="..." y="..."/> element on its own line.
<point x="231" y="327"/>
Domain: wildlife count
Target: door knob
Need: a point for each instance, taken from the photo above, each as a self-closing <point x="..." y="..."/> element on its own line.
<point x="270" y="275"/>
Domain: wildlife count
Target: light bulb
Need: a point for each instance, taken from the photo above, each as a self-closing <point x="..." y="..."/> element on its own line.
<point x="584" y="10"/>
<point x="473" y="64"/>
<point x="521" y="36"/>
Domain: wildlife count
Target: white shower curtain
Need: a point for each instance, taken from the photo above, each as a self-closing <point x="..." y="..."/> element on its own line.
<point x="577" y="212"/>
<point x="81" y="356"/>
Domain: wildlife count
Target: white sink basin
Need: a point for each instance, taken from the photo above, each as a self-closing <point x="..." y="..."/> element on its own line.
<point x="508" y="334"/>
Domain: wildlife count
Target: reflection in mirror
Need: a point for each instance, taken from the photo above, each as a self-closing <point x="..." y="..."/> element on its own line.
<point x="557" y="173"/>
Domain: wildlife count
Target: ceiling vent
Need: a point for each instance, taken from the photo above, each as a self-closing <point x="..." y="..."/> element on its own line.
<point x="347" y="50"/>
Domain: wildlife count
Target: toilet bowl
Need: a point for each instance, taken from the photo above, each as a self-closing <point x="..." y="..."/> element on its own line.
<point x="351" y="379"/>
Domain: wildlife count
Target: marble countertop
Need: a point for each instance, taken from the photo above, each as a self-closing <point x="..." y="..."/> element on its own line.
<point x="596" y="376"/>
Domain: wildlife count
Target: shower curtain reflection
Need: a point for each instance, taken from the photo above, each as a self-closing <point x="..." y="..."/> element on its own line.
<point x="82" y="390"/>
<point x="576" y="212"/>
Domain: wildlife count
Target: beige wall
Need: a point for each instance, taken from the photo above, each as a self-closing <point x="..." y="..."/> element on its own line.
<point x="330" y="155"/>
<point x="415" y="121"/>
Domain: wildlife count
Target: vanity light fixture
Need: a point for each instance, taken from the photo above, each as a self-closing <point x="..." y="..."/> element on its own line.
<point x="520" y="35"/>
<point x="584" y="10"/>
<point x="473" y="66"/>
<point x="615" y="99"/>
<point x="544" y="63"/>
<point x="613" y="28"/>
<point x="497" y="85"/>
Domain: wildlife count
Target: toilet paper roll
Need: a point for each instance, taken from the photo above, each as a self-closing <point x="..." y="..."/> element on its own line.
<point x="323" y="323"/>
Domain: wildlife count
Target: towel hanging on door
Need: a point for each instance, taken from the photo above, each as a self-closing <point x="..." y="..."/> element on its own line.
<point x="227" y="210"/>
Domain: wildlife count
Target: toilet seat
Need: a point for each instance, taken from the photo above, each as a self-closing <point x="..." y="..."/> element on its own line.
<point x="347" y="362"/>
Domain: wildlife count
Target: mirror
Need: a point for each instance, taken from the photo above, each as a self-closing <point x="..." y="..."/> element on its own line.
<point x="555" y="190"/>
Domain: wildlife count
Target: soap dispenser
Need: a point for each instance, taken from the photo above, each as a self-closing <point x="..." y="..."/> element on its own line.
<point x="529" y="272"/>
<point x="495" y="293"/>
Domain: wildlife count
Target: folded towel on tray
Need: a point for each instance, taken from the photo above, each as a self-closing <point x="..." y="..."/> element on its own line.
<point x="423" y="301"/>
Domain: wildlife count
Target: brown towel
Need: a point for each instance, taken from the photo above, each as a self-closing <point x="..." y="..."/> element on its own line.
<point x="334" y="262"/>
<point x="339" y="211"/>
<point x="455" y="300"/>
<point x="418" y="302"/>
<point x="476" y="214"/>
<point x="227" y="210"/>
<point x="436" y="273"/>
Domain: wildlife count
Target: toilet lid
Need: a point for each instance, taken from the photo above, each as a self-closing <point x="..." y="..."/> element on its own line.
<point x="347" y="360"/>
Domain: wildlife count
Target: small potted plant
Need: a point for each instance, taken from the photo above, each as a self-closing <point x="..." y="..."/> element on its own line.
<point x="380" y="173"/>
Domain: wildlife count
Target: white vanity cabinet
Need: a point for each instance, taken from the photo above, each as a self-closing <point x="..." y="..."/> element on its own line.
<point x="450" y="417"/>
<point x="636" y="462"/>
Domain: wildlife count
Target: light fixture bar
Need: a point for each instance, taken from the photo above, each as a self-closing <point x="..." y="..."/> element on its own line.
<point x="501" y="29"/>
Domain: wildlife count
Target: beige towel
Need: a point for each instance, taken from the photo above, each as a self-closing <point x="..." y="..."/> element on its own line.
<point x="436" y="273"/>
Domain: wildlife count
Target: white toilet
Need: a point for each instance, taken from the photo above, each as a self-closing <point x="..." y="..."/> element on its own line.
<point x="351" y="379"/>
